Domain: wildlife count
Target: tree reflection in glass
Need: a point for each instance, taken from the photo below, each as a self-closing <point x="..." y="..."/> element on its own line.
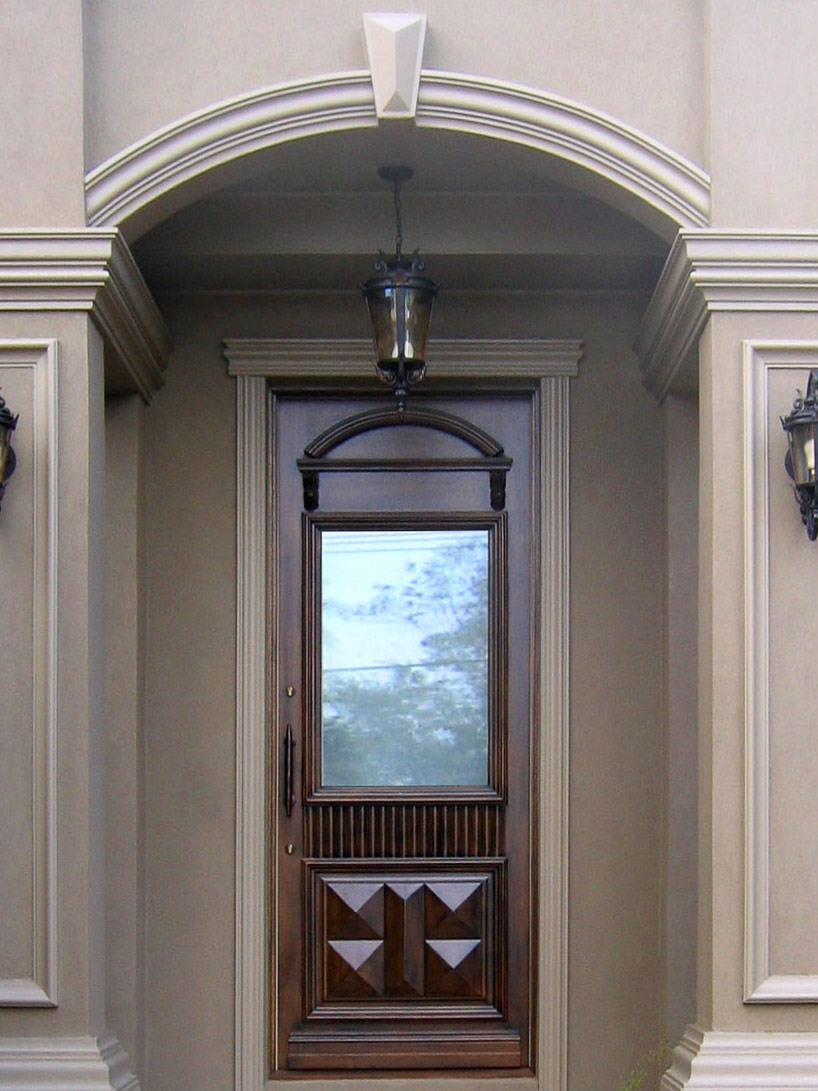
<point x="404" y="657"/>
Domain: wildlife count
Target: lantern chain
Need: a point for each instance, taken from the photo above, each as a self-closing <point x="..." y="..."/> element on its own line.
<point x="398" y="221"/>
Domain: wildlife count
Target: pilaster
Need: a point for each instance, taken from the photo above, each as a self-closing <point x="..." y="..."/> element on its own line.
<point x="72" y="305"/>
<point x="741" y="308"/>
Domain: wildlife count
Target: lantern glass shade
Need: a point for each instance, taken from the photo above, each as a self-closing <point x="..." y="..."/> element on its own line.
<point x="803" y="441"/>
<point x="383" y="314"/>
<point x="4" y="449"/>
<point x="418" y="313"/>
<point x="7" y="459"/>
<point x="400" y="315"/>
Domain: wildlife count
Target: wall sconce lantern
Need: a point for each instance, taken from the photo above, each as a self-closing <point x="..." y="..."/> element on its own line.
<point x="8" y="460"/>
<point x="400" y="306"/>
<point x="801" y="426"/>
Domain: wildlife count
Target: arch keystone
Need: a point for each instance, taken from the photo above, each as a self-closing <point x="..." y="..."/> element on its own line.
<point x="394" y="43"/>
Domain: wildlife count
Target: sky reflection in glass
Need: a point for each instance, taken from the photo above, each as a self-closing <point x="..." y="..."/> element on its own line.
<point x="404" y="657"/>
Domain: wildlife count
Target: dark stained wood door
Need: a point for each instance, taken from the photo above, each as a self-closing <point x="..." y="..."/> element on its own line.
<point x="402" y="856"/>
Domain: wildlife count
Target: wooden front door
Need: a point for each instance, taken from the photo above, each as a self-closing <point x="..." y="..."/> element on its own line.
<point x="402" y="857"/>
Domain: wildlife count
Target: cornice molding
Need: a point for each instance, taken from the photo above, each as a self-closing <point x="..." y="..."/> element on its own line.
<point x="89" y="270"/>
<point x="315" y="361"/>
<point x="672" y="191"/>
<point x="55" y="1064"/>
<point x="734" y="1061"/>
<point x="709" y="271"/>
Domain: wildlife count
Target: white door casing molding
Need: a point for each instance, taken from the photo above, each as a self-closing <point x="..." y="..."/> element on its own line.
<point x="760" y="359"/>
<point x="38" y="360"/>
<point x="260" y="368"/>
<point x="253" y="599"/>
<point x="141" y="184"/>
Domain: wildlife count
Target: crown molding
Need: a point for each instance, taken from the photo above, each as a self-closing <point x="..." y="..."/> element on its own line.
<point x="91" y="270"/>
<point x="316" y="361"/>
<point x="711" y="271"/>
<point x="56" y="1064"/>
<point x="734" y="1061"/>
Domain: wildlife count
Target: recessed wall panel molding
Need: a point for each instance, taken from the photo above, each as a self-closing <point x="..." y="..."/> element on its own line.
<point x="28" y="666"/>
<point x="781" y="764"/>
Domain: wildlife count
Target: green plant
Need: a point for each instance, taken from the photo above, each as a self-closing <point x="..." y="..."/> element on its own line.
<point x="658" y="1058"/>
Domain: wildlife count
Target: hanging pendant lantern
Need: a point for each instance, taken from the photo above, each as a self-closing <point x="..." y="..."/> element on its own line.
<point x="400" y="306"/>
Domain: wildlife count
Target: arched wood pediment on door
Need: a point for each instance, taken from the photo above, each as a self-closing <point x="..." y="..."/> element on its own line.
<point x="491" y="456"/>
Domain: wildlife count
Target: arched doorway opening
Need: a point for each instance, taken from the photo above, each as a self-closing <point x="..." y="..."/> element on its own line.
<point x="527" y="251"/>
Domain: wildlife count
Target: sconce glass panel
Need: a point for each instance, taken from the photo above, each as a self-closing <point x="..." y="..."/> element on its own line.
<point x="803" y="439"/>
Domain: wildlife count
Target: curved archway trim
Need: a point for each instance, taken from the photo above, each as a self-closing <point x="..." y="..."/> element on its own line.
<point x="124" y="186"/>
<point x="656" y="175"/>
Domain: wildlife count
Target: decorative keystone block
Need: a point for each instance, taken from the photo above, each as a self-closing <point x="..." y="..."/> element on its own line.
<point x="394" y="43"/>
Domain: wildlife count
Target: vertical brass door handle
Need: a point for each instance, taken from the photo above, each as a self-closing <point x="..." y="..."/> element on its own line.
<point x="289" y="771"/>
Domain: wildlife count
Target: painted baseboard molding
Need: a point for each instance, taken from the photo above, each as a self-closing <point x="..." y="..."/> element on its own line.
<point x="739" y="1061"/>
<point x="65" y="1064"/>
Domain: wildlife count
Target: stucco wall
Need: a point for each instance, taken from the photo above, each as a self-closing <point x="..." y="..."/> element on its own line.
<point x="646" y="62"/>
<point x="615" y="952"/>
<point x="763" y="83"/>
<point x="42" y="106"/>
<point x="124" y="711"/>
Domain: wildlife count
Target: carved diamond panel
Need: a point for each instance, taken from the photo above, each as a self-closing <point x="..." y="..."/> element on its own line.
<point x="399" y="938"/>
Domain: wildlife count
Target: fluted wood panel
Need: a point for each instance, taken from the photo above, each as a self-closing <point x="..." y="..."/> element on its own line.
<point x="375" y="830"/>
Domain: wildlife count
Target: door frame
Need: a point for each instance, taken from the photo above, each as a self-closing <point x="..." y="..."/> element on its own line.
<point x="262" y="368"/>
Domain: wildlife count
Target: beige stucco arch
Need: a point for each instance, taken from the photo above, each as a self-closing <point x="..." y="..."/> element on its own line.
<point x="162" y="172"/>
